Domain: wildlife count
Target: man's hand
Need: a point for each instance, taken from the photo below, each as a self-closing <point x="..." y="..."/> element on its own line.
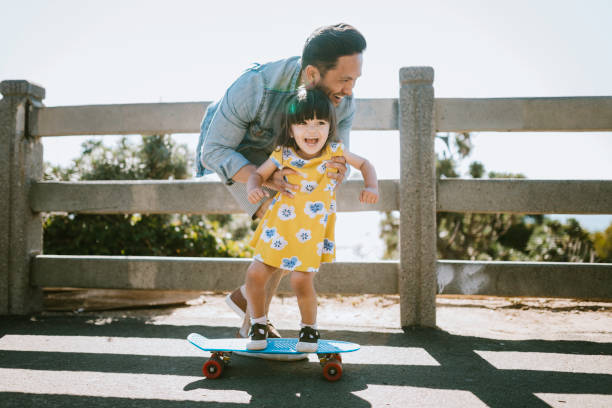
<point x="339" y="163"/>
<point x="257" y="194"/>
<point x="369" y="195"/>
<point x="277" y="182"/>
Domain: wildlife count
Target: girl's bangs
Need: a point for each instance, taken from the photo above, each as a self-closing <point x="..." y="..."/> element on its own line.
<point x="314" y="104"/>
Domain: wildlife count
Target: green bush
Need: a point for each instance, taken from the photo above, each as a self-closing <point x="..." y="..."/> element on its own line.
<point x="155" y="158"/>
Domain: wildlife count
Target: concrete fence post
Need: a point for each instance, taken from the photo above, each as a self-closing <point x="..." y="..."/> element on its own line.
<point x="20" y="228"/>
<point x="417" y="275"/>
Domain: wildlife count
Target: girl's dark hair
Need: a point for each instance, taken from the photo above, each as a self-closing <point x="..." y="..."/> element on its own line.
<point x="326" y="44"/>
<point x="305" y="105"/>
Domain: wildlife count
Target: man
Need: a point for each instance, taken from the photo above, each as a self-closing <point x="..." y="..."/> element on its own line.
<point x="238" y="132"/>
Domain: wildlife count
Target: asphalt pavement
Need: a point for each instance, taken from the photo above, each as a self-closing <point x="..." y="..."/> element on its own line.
<point x="143" y="360"/>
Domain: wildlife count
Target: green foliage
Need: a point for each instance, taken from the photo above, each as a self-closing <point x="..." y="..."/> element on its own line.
<point x="389" y="232"/>
<point x="501" y="237"/>
<point x="556" y="242"/>
<point x="157" y="158"/>
<point x="603" y="244"/>
<point x="476" y="170"/>
<point x="133" y="234"/>
<point x="478" y="236"/>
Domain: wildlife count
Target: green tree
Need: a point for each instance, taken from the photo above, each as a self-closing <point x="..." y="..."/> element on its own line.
<point x="156" y="157"/>
<point x="504" y="237"/>
<point x="555" y="242"/>
<point x="603" y="244"/>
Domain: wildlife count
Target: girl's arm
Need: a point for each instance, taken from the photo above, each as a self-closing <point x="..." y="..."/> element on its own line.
<point x="370" y="193"/>
<point x="256" y="179"/>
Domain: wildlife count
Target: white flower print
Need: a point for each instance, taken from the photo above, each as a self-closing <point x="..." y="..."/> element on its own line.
<point x="287" y="154"/>
<point x="278" y="243"/>
<point x="275" y="200"/>
<point x="322" y="167"/>
<point x="303" y="235"/>
<point x="324" y="219"/>
<point x="286" y="212"/>
<point x="311" y="269"/>
<point x="325" y="247"/>
<point x="332" y="206"/>
<point x="290" y="263"/>
<point x="308" y="186"/>
<point x="312" y="209"/>
<point x="268" y="234"/>
<point x="331" y="186"/>
<point x="334" y="146"/>
<point x="258" y="257"/>
<point x="299" y="162"/>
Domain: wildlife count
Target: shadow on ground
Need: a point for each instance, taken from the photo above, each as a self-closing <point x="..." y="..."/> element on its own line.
<point x="285" y="384"/>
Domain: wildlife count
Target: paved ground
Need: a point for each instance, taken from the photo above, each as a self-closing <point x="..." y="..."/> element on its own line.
<point x="492" y="352"/>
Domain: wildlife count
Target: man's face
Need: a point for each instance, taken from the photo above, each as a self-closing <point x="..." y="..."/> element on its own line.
<point x="339" y="82"/>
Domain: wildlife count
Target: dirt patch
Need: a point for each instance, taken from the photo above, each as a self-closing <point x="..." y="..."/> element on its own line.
<point x="482" y="316"/>
<point x="88" y="300"/>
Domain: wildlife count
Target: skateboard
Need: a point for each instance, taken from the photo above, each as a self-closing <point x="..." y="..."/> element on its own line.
<point x="221" y="351"/>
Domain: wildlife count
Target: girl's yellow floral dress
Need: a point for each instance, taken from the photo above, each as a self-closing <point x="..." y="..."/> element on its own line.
<point x="298" y="233"/>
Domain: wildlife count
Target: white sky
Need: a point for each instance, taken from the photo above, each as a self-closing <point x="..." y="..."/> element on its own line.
<point x="104" y="52"/>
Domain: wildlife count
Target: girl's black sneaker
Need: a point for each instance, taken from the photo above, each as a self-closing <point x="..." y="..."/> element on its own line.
<point x="258" y="336"/>
<point x="308" y="340"/>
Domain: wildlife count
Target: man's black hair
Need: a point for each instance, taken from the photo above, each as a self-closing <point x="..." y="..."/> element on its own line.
<point x="326" y="44"/>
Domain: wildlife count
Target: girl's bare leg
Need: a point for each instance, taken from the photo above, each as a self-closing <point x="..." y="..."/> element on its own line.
<point x="270" y="289"/>
<point x="257" y="277"/>
<point x="303" y="286"/>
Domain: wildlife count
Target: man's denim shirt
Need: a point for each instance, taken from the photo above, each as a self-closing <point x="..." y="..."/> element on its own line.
<point x="241" y="127"/>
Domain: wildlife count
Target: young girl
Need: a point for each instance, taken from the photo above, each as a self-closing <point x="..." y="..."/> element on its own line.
<point x="297" y="234"/>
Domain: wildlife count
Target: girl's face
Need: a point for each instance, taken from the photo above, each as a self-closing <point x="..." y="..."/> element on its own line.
<point x="310" y="136"/>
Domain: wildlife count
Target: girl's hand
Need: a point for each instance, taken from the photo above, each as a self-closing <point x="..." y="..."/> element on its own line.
<point x="256" y="194"/>
<point x="369" y="195"/>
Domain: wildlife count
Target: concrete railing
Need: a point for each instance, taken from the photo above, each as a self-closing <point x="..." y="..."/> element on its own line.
<point x="417" y="277"/>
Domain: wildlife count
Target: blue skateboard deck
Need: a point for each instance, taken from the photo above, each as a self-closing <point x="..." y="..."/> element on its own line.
<point x="221" y="350"/>
<point x="275" y="346"/>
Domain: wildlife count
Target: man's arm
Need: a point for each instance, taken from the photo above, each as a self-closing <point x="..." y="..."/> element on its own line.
<point x="228" y="127"/>
<point x="242" y="175"/>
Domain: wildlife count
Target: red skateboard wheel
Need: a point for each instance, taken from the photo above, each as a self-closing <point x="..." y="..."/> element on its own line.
<point x="212" y="368"/>
<point x="332" y="371"/>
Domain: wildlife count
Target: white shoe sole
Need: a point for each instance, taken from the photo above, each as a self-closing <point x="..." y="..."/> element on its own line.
<point x="306" y="347"/>
<point x="233" y="306"/>
<point x="257" y="345"/>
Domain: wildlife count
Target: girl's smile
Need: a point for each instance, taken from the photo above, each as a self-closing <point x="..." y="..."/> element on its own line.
<point x="310" y="136"/>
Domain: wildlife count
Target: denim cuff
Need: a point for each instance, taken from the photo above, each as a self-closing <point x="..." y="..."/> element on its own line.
<point x="230" y="166"/>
